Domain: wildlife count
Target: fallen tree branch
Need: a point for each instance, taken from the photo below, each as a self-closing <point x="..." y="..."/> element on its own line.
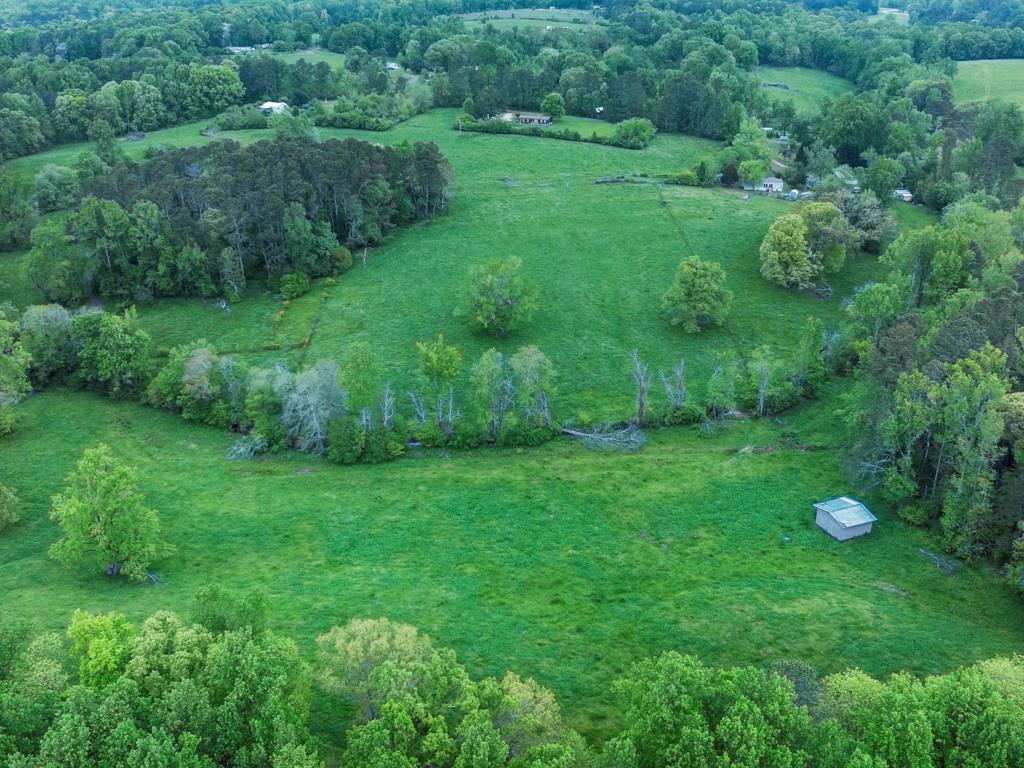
<point x="604" y="438"/>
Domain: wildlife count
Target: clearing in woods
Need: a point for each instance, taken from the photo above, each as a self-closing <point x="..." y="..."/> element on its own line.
<point x="805" y="87"/>
<point x="985" y="79"/>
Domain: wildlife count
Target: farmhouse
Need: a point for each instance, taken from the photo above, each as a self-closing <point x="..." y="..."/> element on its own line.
<point x="273" y="107"/>
<point x="843" y="518"/>
<point x="767" y="184"/>
<point x="530" y="118"/>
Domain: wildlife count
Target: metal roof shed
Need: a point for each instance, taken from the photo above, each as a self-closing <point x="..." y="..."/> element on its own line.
<point x="843" y="518"/>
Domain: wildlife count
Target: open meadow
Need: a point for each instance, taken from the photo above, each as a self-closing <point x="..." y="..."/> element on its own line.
<point x="805" y="87"/>
<point x="557" y="563"/>
<point x="602" y="256"/>
<point x="989" y="79"/>
<point x="534" y="18"/>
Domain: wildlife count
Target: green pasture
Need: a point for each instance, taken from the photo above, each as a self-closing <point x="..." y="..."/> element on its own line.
<point x="985" y="79"/>
<point x="557" y="563"/>
<point x="806" y="88"/>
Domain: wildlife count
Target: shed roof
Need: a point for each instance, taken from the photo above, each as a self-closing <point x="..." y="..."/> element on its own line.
<point x="846" y="511"/>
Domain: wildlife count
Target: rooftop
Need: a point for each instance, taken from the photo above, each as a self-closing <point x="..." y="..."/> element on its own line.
<point x="846" y="511"/>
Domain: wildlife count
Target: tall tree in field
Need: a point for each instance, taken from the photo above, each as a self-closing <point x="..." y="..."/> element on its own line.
<point x="785" y="257"/>
<point x="499" y="300"/>
<point x="553" y="105"/>
<point x="103" y="517"/>
<point x="698" y="298"/>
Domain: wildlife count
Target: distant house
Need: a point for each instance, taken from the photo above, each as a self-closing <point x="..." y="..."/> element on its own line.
<point x="903" y="195"/>
<point x="767" y="184"/>
<point x="273" y="107"/>
<point x="391" y="66"/>
<point x="531" y="118"/>
<point x="240" y="48"/>
<point x="843" y="518"/>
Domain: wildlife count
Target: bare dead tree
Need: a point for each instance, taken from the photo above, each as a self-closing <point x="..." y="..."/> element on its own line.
<point x="419" y="407"/>
<point x="309" y="400"/>
<point x="764" y="374"/>
<point x="604" y="438"/>
<point x="642" y="379"/>
<point x="387" y="406"/>
<point x="675" y="387"/>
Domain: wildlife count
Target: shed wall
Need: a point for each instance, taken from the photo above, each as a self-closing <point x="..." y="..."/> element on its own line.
<point x="835" y="530"/>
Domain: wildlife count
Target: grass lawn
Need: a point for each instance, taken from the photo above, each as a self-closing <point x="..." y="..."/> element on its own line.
<point x="892" y="14"/>
<point x="313" y="56"/>
<point x="807" y="87"/>
<point x="557" y="563"/>
<point x="535" y="18"/>
<point x="183" y="135"/>
<point x="989" y="79"/>
<point x="584" y="126"/>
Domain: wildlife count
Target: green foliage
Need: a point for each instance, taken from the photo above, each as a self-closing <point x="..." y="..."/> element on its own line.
<point x="499" y="300"/>
<point x="698" y="298"/>
<point x="554" y="105"/>
<point x="14" y="366"/>
<point x="294" y="284"/>
<point x="10" y="507"/>
<point x="113" y="354"/>
<point x="785" y="256"/>
<point x="102" y="645"/>
<point x="634" y="133"/>
<point x="103" y="519"/>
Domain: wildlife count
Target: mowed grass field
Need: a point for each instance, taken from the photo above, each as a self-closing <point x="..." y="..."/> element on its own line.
<point x="601" y="255"/>
<point x="313" y="56"/>
<point x="807" y="87"/>
<point x="557" y="563"/>
<point x="534" y="18"/>
<point x="985" y="79"/>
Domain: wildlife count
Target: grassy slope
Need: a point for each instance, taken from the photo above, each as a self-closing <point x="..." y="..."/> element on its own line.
<point x="556" y="563"/>
<point x="989" y="78"/>
<point x="313" y="56"/>
<point x="808" y="87"/>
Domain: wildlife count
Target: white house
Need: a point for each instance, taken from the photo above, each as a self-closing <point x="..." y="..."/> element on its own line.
<point x="903" y="195"/>
<point x="767" y="184"/>
<point x="391" y="66"/>
<point x="843" y="518"/>
<point x="273" y="107"/>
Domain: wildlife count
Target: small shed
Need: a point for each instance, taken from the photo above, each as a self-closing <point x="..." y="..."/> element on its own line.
<point x="273" y="107"/>
<point x="903" y="195"/>
<point x="843" y="518"/>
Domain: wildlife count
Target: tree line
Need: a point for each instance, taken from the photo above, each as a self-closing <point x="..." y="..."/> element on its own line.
<point x="219" y="686"/>
<point x="202" y="221"/>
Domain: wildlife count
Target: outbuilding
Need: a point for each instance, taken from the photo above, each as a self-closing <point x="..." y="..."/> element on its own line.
<point x="903" y="195"/>
<point x="273" y="107"/>
<point x="843" y="518"/>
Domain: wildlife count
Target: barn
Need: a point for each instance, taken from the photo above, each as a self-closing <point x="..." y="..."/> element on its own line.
<point x="843" y="518"/>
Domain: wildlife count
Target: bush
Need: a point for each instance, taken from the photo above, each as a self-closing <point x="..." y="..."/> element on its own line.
<point x="635" y="133"/>
<point x="8" y="420"/>
<point x="56" y="188"/>
<point x="294" y="284"/>
<point x="47" y="336"/>
<point x="687" y="413"/>
<point x="10" y="507"/>
<point x="113" y="353"/>
<point x="239" y="118"/>
<point x="348" y="443"/>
